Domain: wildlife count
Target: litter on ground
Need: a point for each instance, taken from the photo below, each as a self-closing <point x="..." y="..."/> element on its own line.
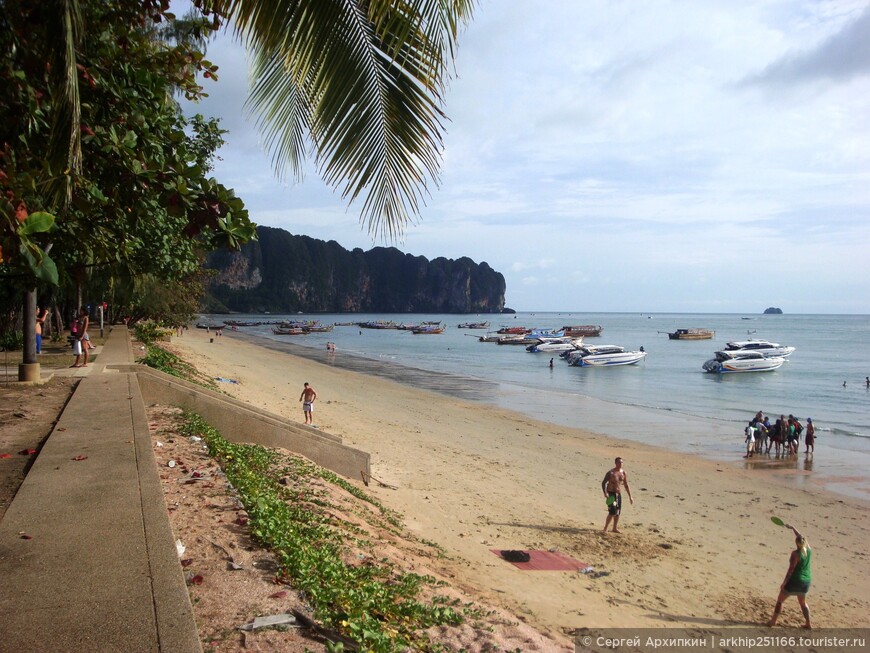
<point x="284" y="619"/>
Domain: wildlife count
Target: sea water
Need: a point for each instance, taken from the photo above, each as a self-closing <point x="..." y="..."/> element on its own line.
<point x="666" y="400"/>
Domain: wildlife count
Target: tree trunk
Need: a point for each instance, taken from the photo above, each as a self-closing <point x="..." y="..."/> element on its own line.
<point x="29" y="327"/>
<point x="58" y="320"/>
<point x="28" y="370"/>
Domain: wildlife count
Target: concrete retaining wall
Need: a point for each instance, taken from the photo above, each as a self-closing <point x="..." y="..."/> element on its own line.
<point x="240" y="422"/>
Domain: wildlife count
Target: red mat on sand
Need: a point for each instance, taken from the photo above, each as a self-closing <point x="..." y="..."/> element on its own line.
<point x="546" y="561"/>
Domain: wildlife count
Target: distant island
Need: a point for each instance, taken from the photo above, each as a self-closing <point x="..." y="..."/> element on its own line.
<point x="773" y="311"/>
<point x="284" y="273"/>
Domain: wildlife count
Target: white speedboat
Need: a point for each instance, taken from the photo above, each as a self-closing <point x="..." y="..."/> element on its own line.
<point x="748" y="361"/>
<point x="603" y="356"/>
<point x="573" y="357"/>
<point x="555" y="345"/>
<point x="764" y="347"/>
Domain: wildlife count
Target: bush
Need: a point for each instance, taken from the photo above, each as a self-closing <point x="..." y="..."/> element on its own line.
<point x="12" y="340"/>
<point x="148" y="333"/>
<point x="174" y="365"/>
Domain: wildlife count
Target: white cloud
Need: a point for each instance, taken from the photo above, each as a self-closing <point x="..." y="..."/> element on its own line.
<point x="619" y="149"/>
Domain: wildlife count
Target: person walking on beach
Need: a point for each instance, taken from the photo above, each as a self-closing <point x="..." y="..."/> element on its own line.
<point x="611" y="486"/>
<point x="811" y="436"/>
<point x="308" y="397"/>
<point x="797" y="579"/>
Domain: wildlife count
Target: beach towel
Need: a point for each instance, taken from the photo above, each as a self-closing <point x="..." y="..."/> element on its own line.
<point x="545" y="561"/>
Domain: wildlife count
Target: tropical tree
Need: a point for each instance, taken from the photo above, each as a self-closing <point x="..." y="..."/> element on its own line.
<point x="358" y="84"/>
<point x="135" y="193"/>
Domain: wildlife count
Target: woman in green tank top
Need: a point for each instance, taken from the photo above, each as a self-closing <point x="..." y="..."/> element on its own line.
<point x="797" y="578"/>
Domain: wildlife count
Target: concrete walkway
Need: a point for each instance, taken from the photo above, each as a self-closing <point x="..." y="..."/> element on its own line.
<point x="87" y="556"/>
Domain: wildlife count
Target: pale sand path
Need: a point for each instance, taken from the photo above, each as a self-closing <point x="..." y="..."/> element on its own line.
<point x="697" y="546"/>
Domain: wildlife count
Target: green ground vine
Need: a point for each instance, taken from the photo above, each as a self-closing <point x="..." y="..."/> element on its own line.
<point x="166" y="361"/>
<point x="369" y="601"/>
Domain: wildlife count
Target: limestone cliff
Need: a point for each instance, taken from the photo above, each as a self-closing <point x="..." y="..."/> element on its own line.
<point x="283" y="273"/>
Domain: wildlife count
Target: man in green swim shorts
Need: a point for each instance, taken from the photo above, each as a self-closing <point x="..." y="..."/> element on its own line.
<point x="612" y="488"/>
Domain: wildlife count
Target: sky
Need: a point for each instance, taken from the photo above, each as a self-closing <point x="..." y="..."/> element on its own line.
<point x="613" y="155"/>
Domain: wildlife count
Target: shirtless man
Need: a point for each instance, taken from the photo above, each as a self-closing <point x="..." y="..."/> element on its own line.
<point x="41" y="314"/>
<point x="612" y="488"/>
<point x="308" y="398"/>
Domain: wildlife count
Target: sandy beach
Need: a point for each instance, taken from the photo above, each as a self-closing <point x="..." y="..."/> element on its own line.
<point x="697" y="547"/>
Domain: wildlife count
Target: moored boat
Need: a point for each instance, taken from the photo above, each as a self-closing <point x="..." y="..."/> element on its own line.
<point x="555" y="345"/>
<point x="589" y="330"/>
<point x="378" y="324"/>
<point x="764" y="347"/>
<point x="288" y="332"/>
<point x="692" y="334"/>
<point x="473" y="325"/>
<point x="318" y="328"/>
<point x="426" y="329"/>
<point x="516" y="339"/>
<point x="604" y="356"/>
<point x="749" y="361"/>
<point x="516" y="331"/>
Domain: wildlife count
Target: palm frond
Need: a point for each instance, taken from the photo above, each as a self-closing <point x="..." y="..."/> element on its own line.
<point x="64" y="149"/>
<point x="365" y="81"/>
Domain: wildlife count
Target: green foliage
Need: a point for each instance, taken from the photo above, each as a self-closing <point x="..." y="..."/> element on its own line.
<point x="12" y="341"/>
<point x="150" y="332"/>
<point x="171" y="364"/>
<point x="141" y="201"/>
<point x="22" y="256"/>
<point x="371" y="602"/>
<point x="171" y="303"/>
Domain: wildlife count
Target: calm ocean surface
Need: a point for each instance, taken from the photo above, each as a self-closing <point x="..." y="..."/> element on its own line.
<point x="667" y="400"/>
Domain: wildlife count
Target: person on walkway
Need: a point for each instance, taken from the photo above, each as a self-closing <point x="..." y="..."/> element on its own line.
<point x="308" y="397"/>
<point x="810" y="436"/>
<point x="797" y="579"/>
<point x="83" y="340"/>
<point x="612" y="488"/>
<point x="41" y="314"/>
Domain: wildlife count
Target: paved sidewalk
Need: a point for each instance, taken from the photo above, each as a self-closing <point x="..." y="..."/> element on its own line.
<point x="87" y="557"/>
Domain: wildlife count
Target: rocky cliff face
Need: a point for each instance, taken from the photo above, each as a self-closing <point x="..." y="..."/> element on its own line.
<point x="283" y="273"/>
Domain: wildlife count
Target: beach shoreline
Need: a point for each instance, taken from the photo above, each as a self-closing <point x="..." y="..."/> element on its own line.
<point x="836" y="469"/>
<point x="697" y="545"/>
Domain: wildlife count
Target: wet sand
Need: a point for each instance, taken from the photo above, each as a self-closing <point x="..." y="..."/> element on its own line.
<point x="697" y="547"/>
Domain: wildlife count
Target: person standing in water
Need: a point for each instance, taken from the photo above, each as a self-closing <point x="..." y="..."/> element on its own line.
<point x="810" y="436"/>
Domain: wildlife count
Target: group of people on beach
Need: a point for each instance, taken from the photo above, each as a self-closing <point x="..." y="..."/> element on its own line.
<point x="783" y="435"/>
